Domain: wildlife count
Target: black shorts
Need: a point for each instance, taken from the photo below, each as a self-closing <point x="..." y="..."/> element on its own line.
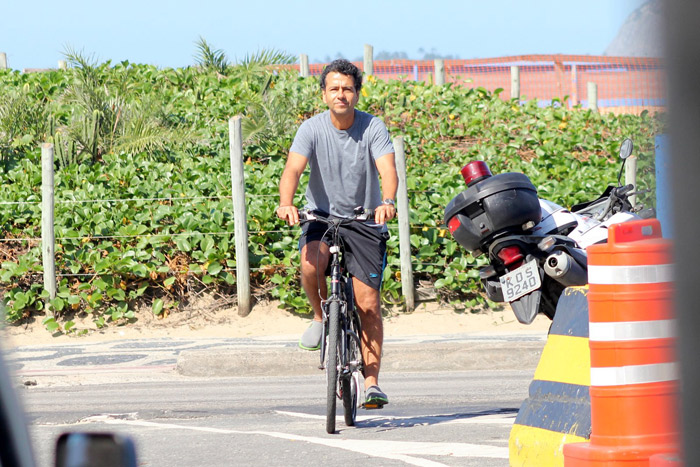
<point x="364" y="246"/>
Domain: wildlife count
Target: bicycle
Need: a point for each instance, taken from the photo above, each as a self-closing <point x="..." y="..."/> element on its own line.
<point x="341" y="325"/>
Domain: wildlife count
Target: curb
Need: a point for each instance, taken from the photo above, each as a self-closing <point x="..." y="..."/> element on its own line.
<point x="475" y="354"/>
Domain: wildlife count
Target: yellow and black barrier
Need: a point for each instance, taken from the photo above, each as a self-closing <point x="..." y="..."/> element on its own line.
<point x="558" y="409"/>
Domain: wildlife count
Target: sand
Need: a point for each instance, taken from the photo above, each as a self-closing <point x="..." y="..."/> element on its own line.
<point x="269" y="320"/>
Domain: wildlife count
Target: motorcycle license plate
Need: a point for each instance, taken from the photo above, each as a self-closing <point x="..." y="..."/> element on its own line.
<point x="520" y="282"/>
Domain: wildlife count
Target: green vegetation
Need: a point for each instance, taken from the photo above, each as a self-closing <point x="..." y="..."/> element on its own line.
<point x="143" y="211"/>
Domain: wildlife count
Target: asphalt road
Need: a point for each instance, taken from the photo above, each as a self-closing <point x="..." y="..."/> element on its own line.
<point x="445" y="418"/>
<point x="453" y="399"/>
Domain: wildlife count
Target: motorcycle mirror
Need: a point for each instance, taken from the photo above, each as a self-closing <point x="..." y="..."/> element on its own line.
<point x="625" y="151"/>
<point x="626" y="148"/>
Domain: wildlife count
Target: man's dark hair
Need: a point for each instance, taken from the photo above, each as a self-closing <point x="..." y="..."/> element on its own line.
<point x="343" y="67"/>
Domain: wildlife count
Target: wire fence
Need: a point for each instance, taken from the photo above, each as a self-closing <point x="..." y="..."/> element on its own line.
<point x="156" y="200"/>
<point x="625" y="84"/>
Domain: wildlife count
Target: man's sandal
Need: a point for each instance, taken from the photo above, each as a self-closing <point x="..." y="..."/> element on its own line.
<point x="311" y="339"/>
<point x="375" y="398"/>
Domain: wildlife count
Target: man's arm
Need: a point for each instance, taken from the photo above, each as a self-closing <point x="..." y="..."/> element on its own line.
<point x="390" y="182"/>
<point x="289" y="182"/>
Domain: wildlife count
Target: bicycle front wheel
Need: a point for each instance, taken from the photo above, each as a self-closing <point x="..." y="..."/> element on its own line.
<point x="333" y="348"/>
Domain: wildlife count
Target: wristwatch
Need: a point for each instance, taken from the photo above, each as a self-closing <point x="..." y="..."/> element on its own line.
<point x="389" y="201"/>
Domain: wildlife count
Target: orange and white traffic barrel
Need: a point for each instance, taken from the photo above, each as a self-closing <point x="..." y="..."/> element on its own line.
<point x="634" y="371"/>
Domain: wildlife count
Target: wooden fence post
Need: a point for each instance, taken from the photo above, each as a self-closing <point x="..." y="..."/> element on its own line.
<point x="574" y="85"/>
<point x="560" y="76"/>
<point x="439" y="71"/>
<point x="48" y="239"/>
<point x="240" y="216"/>
<point x="515" y="82"/>
<point x="369" y="60"/>
<point x="304" y="66"/>
<point x="404" y="218"/>
<point x="593" y="96"/>
<point x="3" y="60"/>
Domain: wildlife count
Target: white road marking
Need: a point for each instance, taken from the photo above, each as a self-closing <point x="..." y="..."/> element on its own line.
<point x="308" y="415"/>
<point x="67" y="371"/>
<point x="490" y="419"/>
<point x="395" y="450"/>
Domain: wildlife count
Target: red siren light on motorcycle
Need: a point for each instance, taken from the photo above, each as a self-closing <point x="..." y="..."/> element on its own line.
<point x="475" y="171"/>
<point x="453" y="224"/>
<point x="511" y="255"/>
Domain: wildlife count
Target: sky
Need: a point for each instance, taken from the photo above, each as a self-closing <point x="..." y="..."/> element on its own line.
<point x="36" y="33"/>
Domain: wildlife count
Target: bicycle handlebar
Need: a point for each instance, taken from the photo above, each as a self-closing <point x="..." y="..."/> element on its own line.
<point x="361" y="214"/>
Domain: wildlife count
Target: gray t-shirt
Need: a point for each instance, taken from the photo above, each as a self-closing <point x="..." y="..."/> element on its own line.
<point x="343" y="174"/>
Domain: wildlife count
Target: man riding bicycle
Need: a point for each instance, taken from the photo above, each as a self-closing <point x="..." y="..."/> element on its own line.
<point x="348" y="151"/>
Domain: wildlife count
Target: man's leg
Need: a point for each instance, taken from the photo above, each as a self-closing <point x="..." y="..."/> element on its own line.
<point x="314" y="259"/>
<point x="367" y="301"/>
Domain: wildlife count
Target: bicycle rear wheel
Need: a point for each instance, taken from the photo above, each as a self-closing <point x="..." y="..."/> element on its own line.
<point x="332" y="363"/>
<point x="353" y="358"/>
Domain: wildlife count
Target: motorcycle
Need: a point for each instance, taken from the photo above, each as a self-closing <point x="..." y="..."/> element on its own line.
<point x="535" y="248"/>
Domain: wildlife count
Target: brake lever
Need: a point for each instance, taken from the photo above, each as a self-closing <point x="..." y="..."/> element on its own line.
<point x="307" y="215"/>
<point x="366" y="215"/>
<point x="640" y="192"/>
<point x="362" y="214"/>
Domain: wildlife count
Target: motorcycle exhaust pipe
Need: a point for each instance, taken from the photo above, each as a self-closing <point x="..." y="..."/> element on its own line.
<point x="565" y="270"/>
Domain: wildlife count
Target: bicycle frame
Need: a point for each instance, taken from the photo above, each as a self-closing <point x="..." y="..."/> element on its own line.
<point x="339" y="285"/>
<point x="342" y="370"/>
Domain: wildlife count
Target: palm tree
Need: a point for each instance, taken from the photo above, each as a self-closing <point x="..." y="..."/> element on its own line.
<point x="210" y="59"/>
<point x="107" y="115"/>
